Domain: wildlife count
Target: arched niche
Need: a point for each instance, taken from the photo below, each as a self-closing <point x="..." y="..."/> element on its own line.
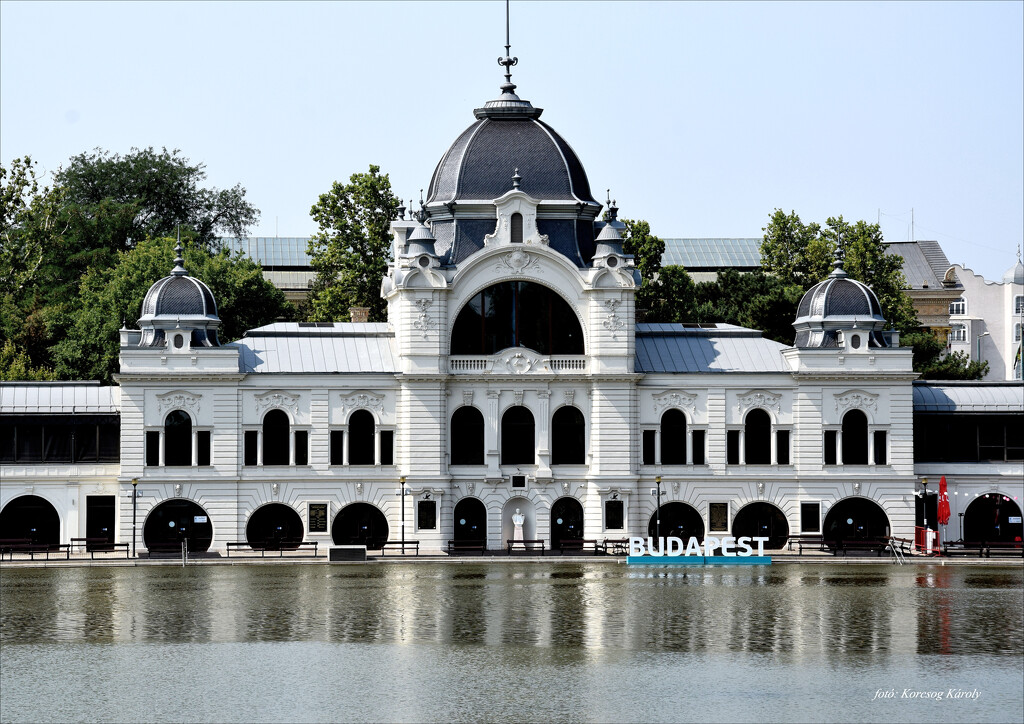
<point x="175" y="521"/>
<point x="274" y="526"/>
<point x="30" y="517"/>
<point x="761" y="519"/>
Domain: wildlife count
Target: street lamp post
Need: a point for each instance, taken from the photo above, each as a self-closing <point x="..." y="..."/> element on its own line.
<point x="401" y="492"/>
<point x="961" y="525"/>
<point x="657" y="513"/>
<point x="135" y="508"/>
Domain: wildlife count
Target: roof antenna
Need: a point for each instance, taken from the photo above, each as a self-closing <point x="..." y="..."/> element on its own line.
<point x="507" y="61"/>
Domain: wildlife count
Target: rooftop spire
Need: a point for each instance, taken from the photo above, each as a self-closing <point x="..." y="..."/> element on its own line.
<point x="507" y="61"/>
<point x="508" y="104"/>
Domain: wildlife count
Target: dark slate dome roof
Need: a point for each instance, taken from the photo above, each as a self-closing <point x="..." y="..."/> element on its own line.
<point x="182" y="296"/>
<point x="508" y="135"/>
<point x="836" y="304"/>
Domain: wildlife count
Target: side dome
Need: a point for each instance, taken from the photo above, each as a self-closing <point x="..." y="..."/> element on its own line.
<point x="837" y="306"/>
<point x="180" y="296"/>
<point x="179" y="302"/>
<point x="1015" y="274"/>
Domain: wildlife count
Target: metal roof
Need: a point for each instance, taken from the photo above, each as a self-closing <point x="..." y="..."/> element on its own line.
<point x="718" y="348"/>
<point x="317" y="348"/>
<point x="271" y="251"/>
<point x="924" y="262"/>
<point x="27" y="398"/>
<point x="990" y="397"/>
<point x="712" y="253"/>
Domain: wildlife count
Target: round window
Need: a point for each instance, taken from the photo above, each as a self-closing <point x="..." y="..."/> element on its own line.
<point x="178" y="341"/>
<point x="612" y="262"/>
<point x="855" y="341"/>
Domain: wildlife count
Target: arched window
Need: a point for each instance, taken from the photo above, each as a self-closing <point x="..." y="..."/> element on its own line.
<point x="855" y="438"/>
<point x="958" y="307"/>
<point x="276" y="430"/>
<point x="757" y="438"/>
<point x="517" y="314"/>
<point x="568" y="437"/>
<point x="673" y="438"/>
<point x="360" y="438"/>
<point x="178" y="438"/>
<point x="518" y="446"/>
<point x="467" y="436"/>
<point x="517" y="228"/>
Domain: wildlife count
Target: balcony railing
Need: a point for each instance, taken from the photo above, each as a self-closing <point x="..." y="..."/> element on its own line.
<point x="514" y="363"/>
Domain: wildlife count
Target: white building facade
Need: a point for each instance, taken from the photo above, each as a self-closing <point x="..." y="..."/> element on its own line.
<point x="987" y="321"/>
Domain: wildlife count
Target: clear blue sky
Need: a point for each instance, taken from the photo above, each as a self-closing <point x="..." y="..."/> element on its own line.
<point x="701" y="117"/>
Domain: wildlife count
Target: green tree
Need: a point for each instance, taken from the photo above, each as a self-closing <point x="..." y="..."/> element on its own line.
<point x="755" y="300"/>
<point x="671" y="297"/>
<point x="785" y="247"/>
<point x="16" y="365"/>
<point x="113" y="296"/>
<point x="932" y="363"/>
<point x="647" y="251"/>
<point x="351" y="250"/>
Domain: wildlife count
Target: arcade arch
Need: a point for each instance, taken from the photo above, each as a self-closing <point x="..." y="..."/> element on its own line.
<point x="30" y="517"/>
<point x="764" y="520"/>
<point x="175" y="521"/>
<point x="360" y="524"/>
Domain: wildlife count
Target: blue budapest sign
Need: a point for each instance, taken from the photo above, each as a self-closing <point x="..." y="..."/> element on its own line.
<point x="670" y="551"/>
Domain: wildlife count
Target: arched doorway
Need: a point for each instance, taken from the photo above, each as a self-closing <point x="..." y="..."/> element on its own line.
<point x="174" y="521"/>
<point x="32" y="518"/>
<point x="987" y="519"/>
<point x="680" y="520"/>
<point x="274" y="526"/>
<point x="566" y="522"/>
<point x="360" y="524"/>
<point x="762" y="520"/>
<point x="470" y="521"/>
<point x="855" y="519"/>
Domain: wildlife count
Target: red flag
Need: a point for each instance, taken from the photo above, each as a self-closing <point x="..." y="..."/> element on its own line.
<point x="943" y="502"/>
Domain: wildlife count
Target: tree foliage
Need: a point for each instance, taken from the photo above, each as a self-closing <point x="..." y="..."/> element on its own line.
<point x="351" y="250"/>
<point x="16" y="365"/>
<point x="647" y="251"/>
<point x="932" y="362"/>
<point x="113" y="296"/>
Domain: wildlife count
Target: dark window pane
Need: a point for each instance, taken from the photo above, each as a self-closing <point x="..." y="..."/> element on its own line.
<point x="85" y="443"/>
<point x="387" y="447"/>
<point x="698" y="447"/>
<point x="426" y="514"/>
<point x="855" y="438"/>
<point x="757" y="441"/>
<point x="203" y="447"/>
<point x="613" y="515"/>
<point x="568" y="437"/>
<point x="782" y="447"/>
<point x="152" y="447"/>
<point x="830" y="447"/>
<point x="810" y="517"/>
<point x="517" y="228"/>
<point x="517" y="437"/>
<point x="732" y="447"/>
<point x="467" y="436"/>
<point x="881" y="447"/>
<point x="30" y="443"/>
<point x="252" y="443"/>
<point x="276" y="430"/>
<point x="337" y="447"/>
<point x="302" y="447"/>
<point x="649" y="438"/>
<point x="110" y="442"/>
<point x="178" y="439"/>
<point x="673" y="438"/>
<point x="6" y="443"/>
<point x="57" y="441"/>
<point x="360" y="438"/>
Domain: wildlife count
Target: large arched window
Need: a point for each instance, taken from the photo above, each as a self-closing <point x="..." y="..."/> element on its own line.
<point x="360" y="438"/>
<point x="276" y="430"/>
<point x="855" y="438"/>
<point x="467" y="437"/>
<point x="757" y="438"/>
<point x="518" y="445"/>
<point x="673" y="438"/>
<point x="568" y="437"/>
<point x="178" y="438"/>
<point x="517" y="314"/>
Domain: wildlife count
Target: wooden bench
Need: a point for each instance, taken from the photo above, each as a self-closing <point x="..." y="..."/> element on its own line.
<point x="527" y="545"/>
<point x="401" y="545"/>
<point x="982" y="549"/>
<point x="578" y="545"/>
<point x="100" y="545"/>
<point x="616" y="546"/>
<point x="278" y="547"/>
<point x="811" y="542"/>
<point x="164" y="547"/>
<point x="25" y="545"/>
<point x="466" y="546"/>
<point x="1009" y="548"/>
<point x="871" y="545"/>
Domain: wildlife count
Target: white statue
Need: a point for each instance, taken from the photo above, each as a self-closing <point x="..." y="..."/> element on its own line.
<point x="517" y="521"/>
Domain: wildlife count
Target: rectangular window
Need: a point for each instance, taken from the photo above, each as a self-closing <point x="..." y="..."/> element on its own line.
<point x="6" y="443"/>
<point x="830" y="447"/>
<point x="85" y="444"/>
<point x="648" y="446"/>
<point x="337" y="447"/>
<point x="252" y="443"/>
<point x="30" y="443"/>
<point x="782" y="447"/>
<point x="1018" y="304"/>
<point x="732" y="447"/>
<point x="614" y="518"/>
<point x="57" y="442"/>
<point x="718" y="517"/>
<point x="387" y="447"/>
<point x="698" y="447"/>
<point x="426" y="515"/>
<point x="152" y="447"/>
<point x="203" y="447"/>
<point x="109" y="442"/>
<point x="518" y="481"/>
<point x="881" y="443"/>
<point x="810" y="517"/>
<point x="302" y="447"/>
<point x="317" y="517"/>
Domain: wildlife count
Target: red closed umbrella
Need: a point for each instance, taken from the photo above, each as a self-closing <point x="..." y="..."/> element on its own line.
<point x="943" y="502"/>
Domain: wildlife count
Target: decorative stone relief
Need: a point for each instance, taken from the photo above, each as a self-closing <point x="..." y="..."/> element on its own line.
<point x="467" y="397"/>
<point x="275" y="488"/>
<point x="178" y="400"/>
<point x="856" y="488"/>
<point x="613" y="322"/>
<point x="856" y="399"/>
<point x="471" y="488"/>
<point x="758" y="398"/>
<point x="277" y="398"/>
<point x="518" y="262"/>
<point x="569" y="396"/>
<point x="675" y="487"/>
<point x="359" y="489"/>
<point x="424" y="321"/>
<point x="760" y="489"/>
<point x="519" y="362"/>
<point x="363" y="400"/>
<point x="675" y="398"/>
<point x="518" y="396"/>
<point x="177" y="490"/>
<point x="565" y="488"/>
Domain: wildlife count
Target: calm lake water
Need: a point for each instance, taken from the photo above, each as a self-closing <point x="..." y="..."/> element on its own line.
<point x="512" y="642"/>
